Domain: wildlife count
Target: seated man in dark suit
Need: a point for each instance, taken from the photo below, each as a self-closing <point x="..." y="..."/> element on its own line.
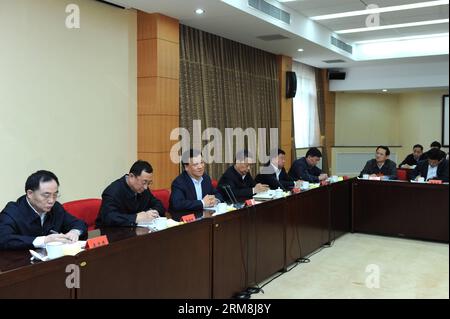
<point x="412" y="159"/>
<point x="381" y="165"/>
<point x="433" y="145"/>
<point x="36" y="218"/>
<point x="128" y="201"/>
<point x="435" y="167"/>
<point x="240" y="180"/>
<point x="192" y="190"/>
<point x="305" y="168"/>
<point x="274" y="174"/>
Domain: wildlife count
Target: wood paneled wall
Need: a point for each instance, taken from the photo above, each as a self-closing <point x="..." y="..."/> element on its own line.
<point x="330" y="103"/>
<point x="285" y="131"/>
<point x="158" y="93"/>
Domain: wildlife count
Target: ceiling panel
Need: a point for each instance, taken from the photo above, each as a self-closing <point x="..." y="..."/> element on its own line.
<point x="393" y="33"/>
<point x="320" y="7"/>
<point x="237" y="25"/>
<point x="387" y="18"/>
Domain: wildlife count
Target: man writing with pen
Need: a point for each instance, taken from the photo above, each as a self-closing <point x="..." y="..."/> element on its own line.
<point x="274" y="174"/>
<point x="37" y="218"/>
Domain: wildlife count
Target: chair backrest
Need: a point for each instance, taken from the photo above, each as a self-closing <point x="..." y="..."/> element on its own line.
<point x="84" y="209"/>
<point x="402" y="174"/>
<point x="163" y="195"/>
<point x="214" y="182"/>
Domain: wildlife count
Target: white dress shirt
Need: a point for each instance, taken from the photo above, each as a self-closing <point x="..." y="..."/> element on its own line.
<point x="38" y="242"/>
<point x="198" y="189"/>
<point x="277" y="171"/>
<point x="432" y="172"/>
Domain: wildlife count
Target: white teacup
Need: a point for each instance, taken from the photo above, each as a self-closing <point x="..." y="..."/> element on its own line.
<point x="278" y="193"/>
<point x="54" y="249"/>
<point x="160" y="223"/>
<point x="71" y="249"/>
<point x="366" y="176"/>
<point x="305" y="185"/>
<point x="222" y="208"/>
<point x="421" y="179"/>
<point x="334" y="178"/>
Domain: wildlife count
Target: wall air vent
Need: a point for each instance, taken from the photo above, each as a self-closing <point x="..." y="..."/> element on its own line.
<point x="341" y="45"/>
<point x="333" y="61"/>
<point x="272" y="37"/>
<point x="271" y="10"/>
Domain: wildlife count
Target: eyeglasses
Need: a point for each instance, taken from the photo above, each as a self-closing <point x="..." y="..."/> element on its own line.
<point x="198" y="164"/>
<point x="50" y="195"/>
<point x="145" y="182"/>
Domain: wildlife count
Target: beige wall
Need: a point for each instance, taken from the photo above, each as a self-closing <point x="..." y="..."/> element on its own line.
<point x="391" y="119"/>
<point x="421" y="120"/>
<point x="67" y="97"/>
<point x="366" y="119"/>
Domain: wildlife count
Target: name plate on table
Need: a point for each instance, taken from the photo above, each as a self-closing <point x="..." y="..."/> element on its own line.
<point x="97" y="242"/>
<point x="250" y="202"/>
<point x="374" y="178"/>
<point x="188" y="218"/>
<point x="434" y="181"/>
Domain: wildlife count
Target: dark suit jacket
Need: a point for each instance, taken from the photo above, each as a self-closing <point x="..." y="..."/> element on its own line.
<point x="422" y="170"/>
<point x="120" y="204"/>
<point x="284" y="181"/>
<point x="389" y="169"/>
<point x="20" y="225"/>
<point x="411" y="161"/>
<point x="301" y="170"/>
<point x="183" y="198"/>
<point x="242" y="188"/>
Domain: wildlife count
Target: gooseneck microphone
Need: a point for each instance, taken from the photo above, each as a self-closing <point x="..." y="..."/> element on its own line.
<point x="235" y="201"/>
<point x="224" y="187"/>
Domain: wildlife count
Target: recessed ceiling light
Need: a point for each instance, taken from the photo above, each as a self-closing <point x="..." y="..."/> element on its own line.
<point x="300" y="50"/>
<point x="381" y="10"/>
<point x="393" y="26"/>
<point x="199" y="11"/>
<point x="384" y="90"/>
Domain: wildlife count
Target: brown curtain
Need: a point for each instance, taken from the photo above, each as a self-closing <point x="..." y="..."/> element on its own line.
<point x="321" y="111"/>
<point x="226" y="84"/>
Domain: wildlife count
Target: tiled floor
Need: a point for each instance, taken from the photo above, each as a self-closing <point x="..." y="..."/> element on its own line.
<point x="350" y="269"/>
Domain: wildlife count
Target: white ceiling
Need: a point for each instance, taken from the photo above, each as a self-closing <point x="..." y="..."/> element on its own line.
<point x="244" y="25"/>
<point x="312" y="8"/>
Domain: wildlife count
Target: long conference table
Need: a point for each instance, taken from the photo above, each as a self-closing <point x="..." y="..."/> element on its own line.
<point x="219" y="256"/>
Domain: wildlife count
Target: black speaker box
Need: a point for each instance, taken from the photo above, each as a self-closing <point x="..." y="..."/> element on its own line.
<point x="336" y="75"/>
<point x="291" y="84"/>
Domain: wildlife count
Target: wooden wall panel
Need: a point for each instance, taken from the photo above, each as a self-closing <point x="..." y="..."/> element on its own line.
<point x="154" y="132"/>
<point x="158" y="93"/>
<point x="329" y="99"/>
<point x="168" y="56"/>
<point x="285" y="131"/>
<point x="147" y="58"/>
<point x="157" y="26"/>
<point x="164" y="171"/>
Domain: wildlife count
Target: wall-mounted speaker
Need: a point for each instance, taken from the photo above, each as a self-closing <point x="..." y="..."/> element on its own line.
<point x="336" y="75"/>
<point x="291" y="84"/>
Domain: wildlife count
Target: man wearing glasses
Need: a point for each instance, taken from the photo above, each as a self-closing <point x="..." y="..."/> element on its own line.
<point x="128" y="200"/>
<point x="36" y="218"/>
<point x="192" y="190"/>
